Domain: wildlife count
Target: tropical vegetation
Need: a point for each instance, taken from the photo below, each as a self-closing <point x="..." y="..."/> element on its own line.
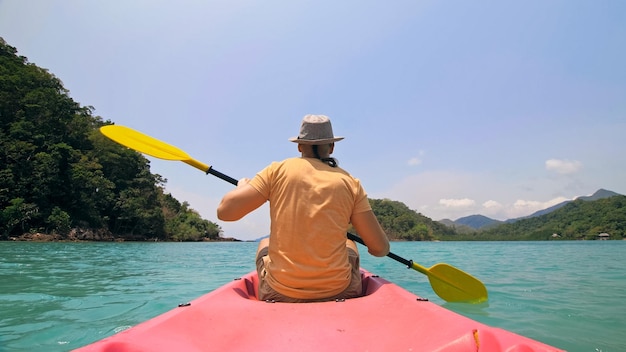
<point x="577" y="220"/>
<point x="60" y="176"/>
<point x="402" y="223"/>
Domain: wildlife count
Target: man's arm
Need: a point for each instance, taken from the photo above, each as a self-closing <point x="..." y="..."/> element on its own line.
<point x="368" y="228"/>
<point x="239" y="202"/>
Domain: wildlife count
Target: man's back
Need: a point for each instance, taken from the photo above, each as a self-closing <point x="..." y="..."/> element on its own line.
<point x="310" y="208"/>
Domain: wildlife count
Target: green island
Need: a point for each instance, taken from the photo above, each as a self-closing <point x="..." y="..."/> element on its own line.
<point x="62" y="180"/>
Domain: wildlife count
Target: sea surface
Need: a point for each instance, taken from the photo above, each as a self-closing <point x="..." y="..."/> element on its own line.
<point x="60" y="296"/>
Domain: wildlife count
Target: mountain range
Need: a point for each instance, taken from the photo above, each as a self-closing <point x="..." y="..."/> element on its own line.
<point x="475" y="222"/>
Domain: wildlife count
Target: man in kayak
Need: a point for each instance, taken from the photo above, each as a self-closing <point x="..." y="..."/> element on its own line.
<point x="307" y="257"/>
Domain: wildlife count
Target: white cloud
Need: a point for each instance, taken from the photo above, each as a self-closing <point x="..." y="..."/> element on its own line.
<point x="423" y="192"/>
<point x="416" y="160"/>
<point x="452" y="194"/>
<point x="457" y="203"/>
<point x="492" y="204"/>
<point x="563" y="166"/>
<point x="526" y="207"/>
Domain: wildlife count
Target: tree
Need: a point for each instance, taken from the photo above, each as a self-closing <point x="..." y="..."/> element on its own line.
<point x="401" y="223"/>
<point x="15" y="217"/>
<point x="59" y="222"/>
<point x="59" y="172"/>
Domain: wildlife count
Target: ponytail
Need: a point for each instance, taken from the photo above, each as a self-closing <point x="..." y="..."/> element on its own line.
<point x="332" y="162"/>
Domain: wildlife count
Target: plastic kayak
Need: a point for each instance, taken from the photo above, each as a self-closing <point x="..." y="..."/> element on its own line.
<point x="386" y="318"/>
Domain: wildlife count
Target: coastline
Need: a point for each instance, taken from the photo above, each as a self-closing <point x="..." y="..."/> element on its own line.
<point x="92" y="235"/>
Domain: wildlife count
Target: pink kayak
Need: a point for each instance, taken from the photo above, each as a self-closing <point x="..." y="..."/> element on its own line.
<point x="387" y="318"/>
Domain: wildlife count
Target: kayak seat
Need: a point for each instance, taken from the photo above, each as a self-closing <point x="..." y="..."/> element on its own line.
<point x="371" y="283"/>
<point x="248" y="286"/>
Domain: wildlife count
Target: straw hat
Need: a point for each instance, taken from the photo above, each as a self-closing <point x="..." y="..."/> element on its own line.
<point x="315" y="129"/>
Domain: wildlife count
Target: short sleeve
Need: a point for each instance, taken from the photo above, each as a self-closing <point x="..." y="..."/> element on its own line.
<point x="262" y="181"/>
<point x="361" y="203"/>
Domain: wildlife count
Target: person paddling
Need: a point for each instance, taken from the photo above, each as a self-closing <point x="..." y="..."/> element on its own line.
<point x="307" y="257"/>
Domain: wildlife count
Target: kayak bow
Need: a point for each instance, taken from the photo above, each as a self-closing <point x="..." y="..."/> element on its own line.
<point x="387" y="318"/>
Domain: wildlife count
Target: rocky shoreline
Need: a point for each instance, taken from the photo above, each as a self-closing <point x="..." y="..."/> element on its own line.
<point x="92" y="235"/>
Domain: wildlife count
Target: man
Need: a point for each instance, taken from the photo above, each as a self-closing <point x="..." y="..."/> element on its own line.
<point x="307" y="257"/>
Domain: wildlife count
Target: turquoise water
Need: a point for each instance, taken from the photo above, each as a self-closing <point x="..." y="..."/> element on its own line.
<point x="60" y="296"/>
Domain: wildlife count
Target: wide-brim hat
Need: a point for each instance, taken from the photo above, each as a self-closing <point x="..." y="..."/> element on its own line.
<point x="315" y="129"/>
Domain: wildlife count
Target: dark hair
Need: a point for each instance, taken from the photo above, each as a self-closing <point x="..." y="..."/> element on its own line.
<point x="332" y="162"/>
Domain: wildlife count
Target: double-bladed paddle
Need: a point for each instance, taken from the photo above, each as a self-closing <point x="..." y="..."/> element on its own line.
<point x="448" y="282"/>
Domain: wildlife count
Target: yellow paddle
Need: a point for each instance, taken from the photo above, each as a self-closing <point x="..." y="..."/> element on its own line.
<point x="151" y="146"/>
<point x="448" y="282"/>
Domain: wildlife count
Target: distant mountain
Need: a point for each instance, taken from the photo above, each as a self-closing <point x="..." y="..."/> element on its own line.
<point x="541" y="212"/>
<point x="577" y="220"/>
<point x="470" y="223"/>
<point x="259" y="239"/>
<point x="599" y="194"/>
<point x="475" y="222"/>
<point x="460" y="228"/>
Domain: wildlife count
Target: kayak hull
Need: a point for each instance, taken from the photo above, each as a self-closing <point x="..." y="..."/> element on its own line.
<point x="387" y="318"/>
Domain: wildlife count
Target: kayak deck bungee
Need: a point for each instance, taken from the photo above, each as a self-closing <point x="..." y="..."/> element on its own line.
<point x="386" y="318"/>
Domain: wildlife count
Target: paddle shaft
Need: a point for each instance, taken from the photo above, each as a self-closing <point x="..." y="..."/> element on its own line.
<point x="226" y="178"/>
<point x="210" y="170"/>
<point x="355" y="238"/>
<point x="408" y="263"/>
<point x="456" y="286"/>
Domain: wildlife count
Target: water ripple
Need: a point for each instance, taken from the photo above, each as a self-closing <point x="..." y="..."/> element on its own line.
<point x="59" y="296"/>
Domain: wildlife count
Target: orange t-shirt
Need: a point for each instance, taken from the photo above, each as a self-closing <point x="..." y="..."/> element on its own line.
<point x="311" y="205"/>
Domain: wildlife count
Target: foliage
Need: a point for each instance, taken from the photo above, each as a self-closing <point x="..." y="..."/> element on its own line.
<point x="578" y="220"/>
<point x="401" y="223"/>
<point x="59" y="172"/>
<point x="17" y="215"/>
<point x="185" y="224"/>
<point x="59" y="221"/>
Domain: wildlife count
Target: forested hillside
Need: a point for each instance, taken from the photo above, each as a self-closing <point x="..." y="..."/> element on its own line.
<point x="577" y="220"/>
<point x="402" y="223"/>
<point x="60" y="176"/>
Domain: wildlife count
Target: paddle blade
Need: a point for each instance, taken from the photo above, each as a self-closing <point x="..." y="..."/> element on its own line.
<point x="148" y="145"/>
<point x="454" y="285"/>
<point x="143" y="143"/>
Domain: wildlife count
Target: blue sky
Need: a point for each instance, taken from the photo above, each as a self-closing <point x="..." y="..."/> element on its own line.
<point x="455" y="108"/>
